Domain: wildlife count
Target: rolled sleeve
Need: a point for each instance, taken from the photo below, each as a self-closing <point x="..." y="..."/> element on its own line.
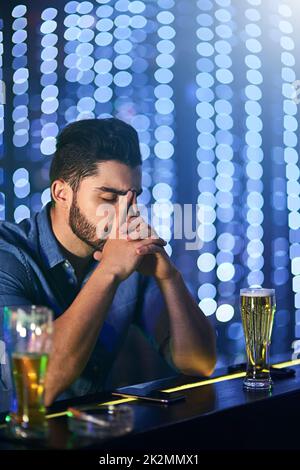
<point x="13" y="281"/>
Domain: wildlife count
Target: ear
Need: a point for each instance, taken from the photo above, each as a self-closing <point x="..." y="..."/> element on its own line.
<point x="61" y="193"/>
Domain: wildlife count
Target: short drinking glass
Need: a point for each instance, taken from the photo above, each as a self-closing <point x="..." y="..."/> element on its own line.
<point x="28" y="334"/>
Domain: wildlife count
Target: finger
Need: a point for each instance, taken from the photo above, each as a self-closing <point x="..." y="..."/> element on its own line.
<point x="133" y="210"/>
<point x="139" y="230"/>
<point x="149" y="241"/>
<point x="132" y="224"/>
<point x="121" y="214"/>
<point x="143" y="232"/>
<point x="149" y="250"/>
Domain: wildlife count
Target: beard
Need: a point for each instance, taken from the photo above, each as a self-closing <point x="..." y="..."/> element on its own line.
<point x="82" y="228"/>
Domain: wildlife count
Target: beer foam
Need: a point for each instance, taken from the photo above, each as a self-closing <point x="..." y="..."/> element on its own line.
<point x="252" y="292"/>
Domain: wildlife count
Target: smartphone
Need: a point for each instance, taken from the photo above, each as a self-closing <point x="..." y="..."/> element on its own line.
<point x="154" y="395"/>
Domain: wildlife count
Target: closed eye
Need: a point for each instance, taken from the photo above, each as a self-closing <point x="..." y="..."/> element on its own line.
<point x="112" y="198"/>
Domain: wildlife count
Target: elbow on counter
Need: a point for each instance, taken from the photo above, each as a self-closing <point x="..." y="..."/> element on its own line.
<point x="197" y="363"/>
<point x="200" y="363"/>
<point x="201" y="367"/>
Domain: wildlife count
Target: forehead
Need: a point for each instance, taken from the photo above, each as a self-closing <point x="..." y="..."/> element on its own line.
<point x="115" y="174"/>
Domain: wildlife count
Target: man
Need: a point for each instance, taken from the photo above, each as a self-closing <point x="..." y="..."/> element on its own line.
<point x="98" y="285"/>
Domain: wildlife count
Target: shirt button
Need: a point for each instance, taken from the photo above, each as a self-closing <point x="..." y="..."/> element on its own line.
<point x="66" y="264"/>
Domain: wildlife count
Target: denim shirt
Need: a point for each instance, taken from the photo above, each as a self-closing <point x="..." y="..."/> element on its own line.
<point x="33" y="270"/>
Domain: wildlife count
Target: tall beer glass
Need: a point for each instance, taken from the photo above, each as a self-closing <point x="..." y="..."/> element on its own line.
<point x="28" y="334"/>
<point x="257" y="308"/>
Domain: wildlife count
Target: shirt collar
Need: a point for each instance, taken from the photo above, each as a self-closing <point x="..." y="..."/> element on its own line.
<point x="50" y="250"/>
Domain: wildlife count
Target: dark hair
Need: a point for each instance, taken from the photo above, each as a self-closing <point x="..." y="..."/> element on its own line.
<point x="83" y="144"/>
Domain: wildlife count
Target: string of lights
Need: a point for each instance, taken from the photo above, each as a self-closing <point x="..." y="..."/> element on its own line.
<point x="253" y="147"/>
<point x="2" y="103"/>
<point x="291" y="157"/>
<point x="164" y="181"/>
<point x="206" y="168"/>
<point x="49" y="89"/>
<point x="224" y="27"/>
<point x="20" y="115"/>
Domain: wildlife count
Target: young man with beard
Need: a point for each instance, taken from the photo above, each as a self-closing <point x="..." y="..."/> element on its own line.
<point x="98" y="283"/>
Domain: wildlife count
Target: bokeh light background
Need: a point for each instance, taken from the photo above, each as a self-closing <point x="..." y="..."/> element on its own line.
<point x="208" y="85"/>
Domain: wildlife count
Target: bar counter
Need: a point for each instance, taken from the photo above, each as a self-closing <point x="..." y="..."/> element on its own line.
<point x="217" y="413"/>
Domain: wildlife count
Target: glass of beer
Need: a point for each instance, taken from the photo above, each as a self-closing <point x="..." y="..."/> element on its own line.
<point x="28" y="334"/>
<point x="257" y="308"/>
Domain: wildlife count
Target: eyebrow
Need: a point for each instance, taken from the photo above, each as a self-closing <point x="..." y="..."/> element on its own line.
<point x="118" y="191"/>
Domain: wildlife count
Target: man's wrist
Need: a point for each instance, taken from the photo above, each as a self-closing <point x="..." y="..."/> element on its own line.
<point x="174" y="276"/>
<point x="109" y="274"/>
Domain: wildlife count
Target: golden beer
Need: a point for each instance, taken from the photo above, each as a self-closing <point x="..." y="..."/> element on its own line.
<point x="29" y="371"/>
<point x="28" y="332"/>
<point x="257" y="310"/>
